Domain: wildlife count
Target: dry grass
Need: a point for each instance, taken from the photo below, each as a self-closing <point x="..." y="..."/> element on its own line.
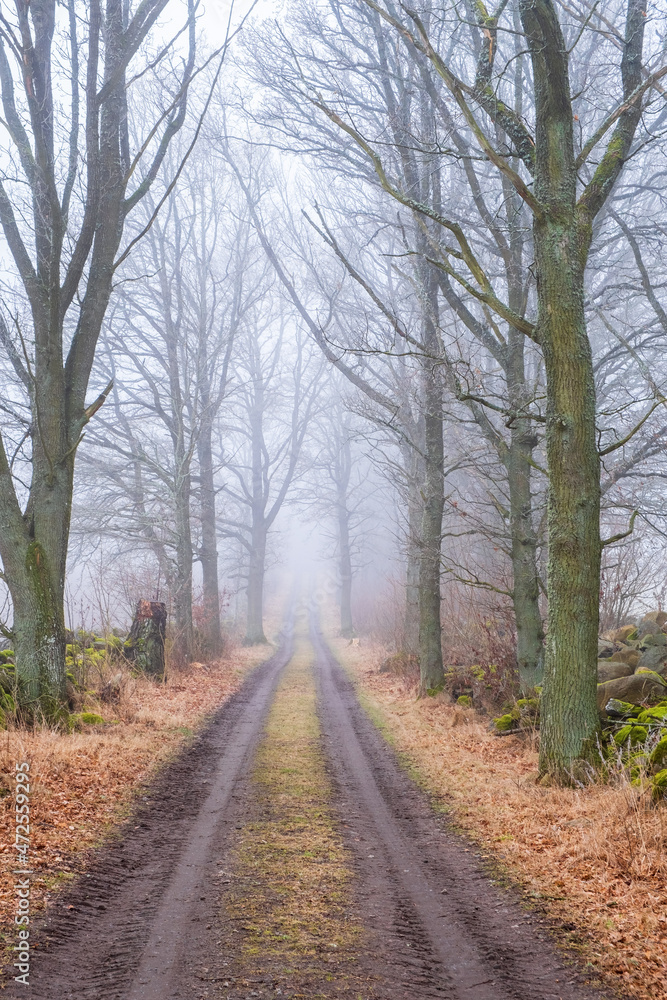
<point x="82" y="783"/>
<point x="288" y="904"/>
<point x="594" y="858"/>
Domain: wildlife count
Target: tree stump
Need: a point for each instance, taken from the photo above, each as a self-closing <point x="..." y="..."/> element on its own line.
<point x="145" y="643"/>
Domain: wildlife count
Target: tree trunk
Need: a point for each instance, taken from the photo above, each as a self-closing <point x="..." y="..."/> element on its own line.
<point x="430" y="640"/>
<point x="39" y="638"/>
<point x="145" y="643"/>
<point x="573" y="512"/>
<point x="415" y="472"/>
<point x="346" y="624"/>
<point x="432" y="675"/>
<point x="526" y="591"/>
<point x="33" y="548"/>
<point x="562" y="234"/>
<point x="183" y="641"/>
<point x="255" y="621"/>
<point x="208" y="554"/>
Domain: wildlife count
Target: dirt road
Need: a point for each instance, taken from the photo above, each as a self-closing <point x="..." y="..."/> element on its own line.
<point x="153" y="918"/>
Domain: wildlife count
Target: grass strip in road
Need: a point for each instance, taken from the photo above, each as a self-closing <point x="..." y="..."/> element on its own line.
<point x="290" y="898"/>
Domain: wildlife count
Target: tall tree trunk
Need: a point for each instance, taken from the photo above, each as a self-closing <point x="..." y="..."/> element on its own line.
<point x="432" y="676"/>
<point x="33" y="548"/>
<point x="183" y="644"/>
<point x="573" y="513"/>
<point x="255" y="621"/>
<point x="430" y="640"/>
<point x="414" y="467"/>
<point x="518" y="459"/>
<point x="526" y="591"/>
<point x="208" y="553"/>
<point x="39" y="632"/>
<point x="346" y="624"/>
<point x="562" y="235"/>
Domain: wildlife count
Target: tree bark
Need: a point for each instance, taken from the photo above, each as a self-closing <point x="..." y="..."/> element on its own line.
<point x="145" y="643"/>
<point x="562" y="238"/>
<point x="414" y="468"/>
<point x="432" y="676"/>
<point x="346" y="623"/>
<point x="525" y="590"/>
<point x="255" y="620"/>
<point x="208" y="553"/>
<point x="183" y="648"/>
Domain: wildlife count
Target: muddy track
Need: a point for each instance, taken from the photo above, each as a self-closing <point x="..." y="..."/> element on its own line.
<point x="147" y="920"/>
<point x="439" y="927"/>
<point x="124" y="930"/>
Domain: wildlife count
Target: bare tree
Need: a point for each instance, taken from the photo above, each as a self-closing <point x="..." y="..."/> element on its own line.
<point x="274" y="401"/>
<point x="543" y="170"/>
<point x="72" y="183"/>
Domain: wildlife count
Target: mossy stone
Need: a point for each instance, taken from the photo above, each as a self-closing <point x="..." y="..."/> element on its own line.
<point x="659" y="785"/>
<point x="465" y="700"/>
<point x="505" y="723"/>
<point x="658" y="756"/>
<point x="7" y="703"/>
<point x="653" y="716"/>
<point x="91" y="719"/>
<point x="633" y="733"/>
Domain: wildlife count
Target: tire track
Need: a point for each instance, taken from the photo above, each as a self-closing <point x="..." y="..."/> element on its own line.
<point x="121" y="931"/>
<point x="441" y="928"/>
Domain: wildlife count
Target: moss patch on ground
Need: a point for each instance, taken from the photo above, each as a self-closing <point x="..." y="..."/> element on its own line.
<point x="291" y="893"/>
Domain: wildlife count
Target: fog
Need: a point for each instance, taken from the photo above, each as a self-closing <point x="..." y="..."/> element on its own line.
<point x="313" y="340"/>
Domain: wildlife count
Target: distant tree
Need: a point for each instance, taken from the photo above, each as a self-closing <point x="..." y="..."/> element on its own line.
<point x="274" y="400"/>
<point x="337" y="490"/>
<point x="168" y="345"/>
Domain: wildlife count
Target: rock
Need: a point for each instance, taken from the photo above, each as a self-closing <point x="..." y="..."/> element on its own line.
<point x="646" y="628"/>
<point x="627" y="655"/>
<point x="658" y="757"/>
<point x="632" y="734"/>
<point x="659" y="617"/>
<point x="89" y="719"/>
<point x="506" y="724"/>
<point x="622" y="634"/>
<point x="609" y="670"/>
<point x="655" y="639"/>
<point x="659" y="786"/>
<point x="637" y="689"/>
<point x="605" y="648"/>
<point x="616" y="709"/>
<point x="653" y="658"/>
<point x="657" y="715"/>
